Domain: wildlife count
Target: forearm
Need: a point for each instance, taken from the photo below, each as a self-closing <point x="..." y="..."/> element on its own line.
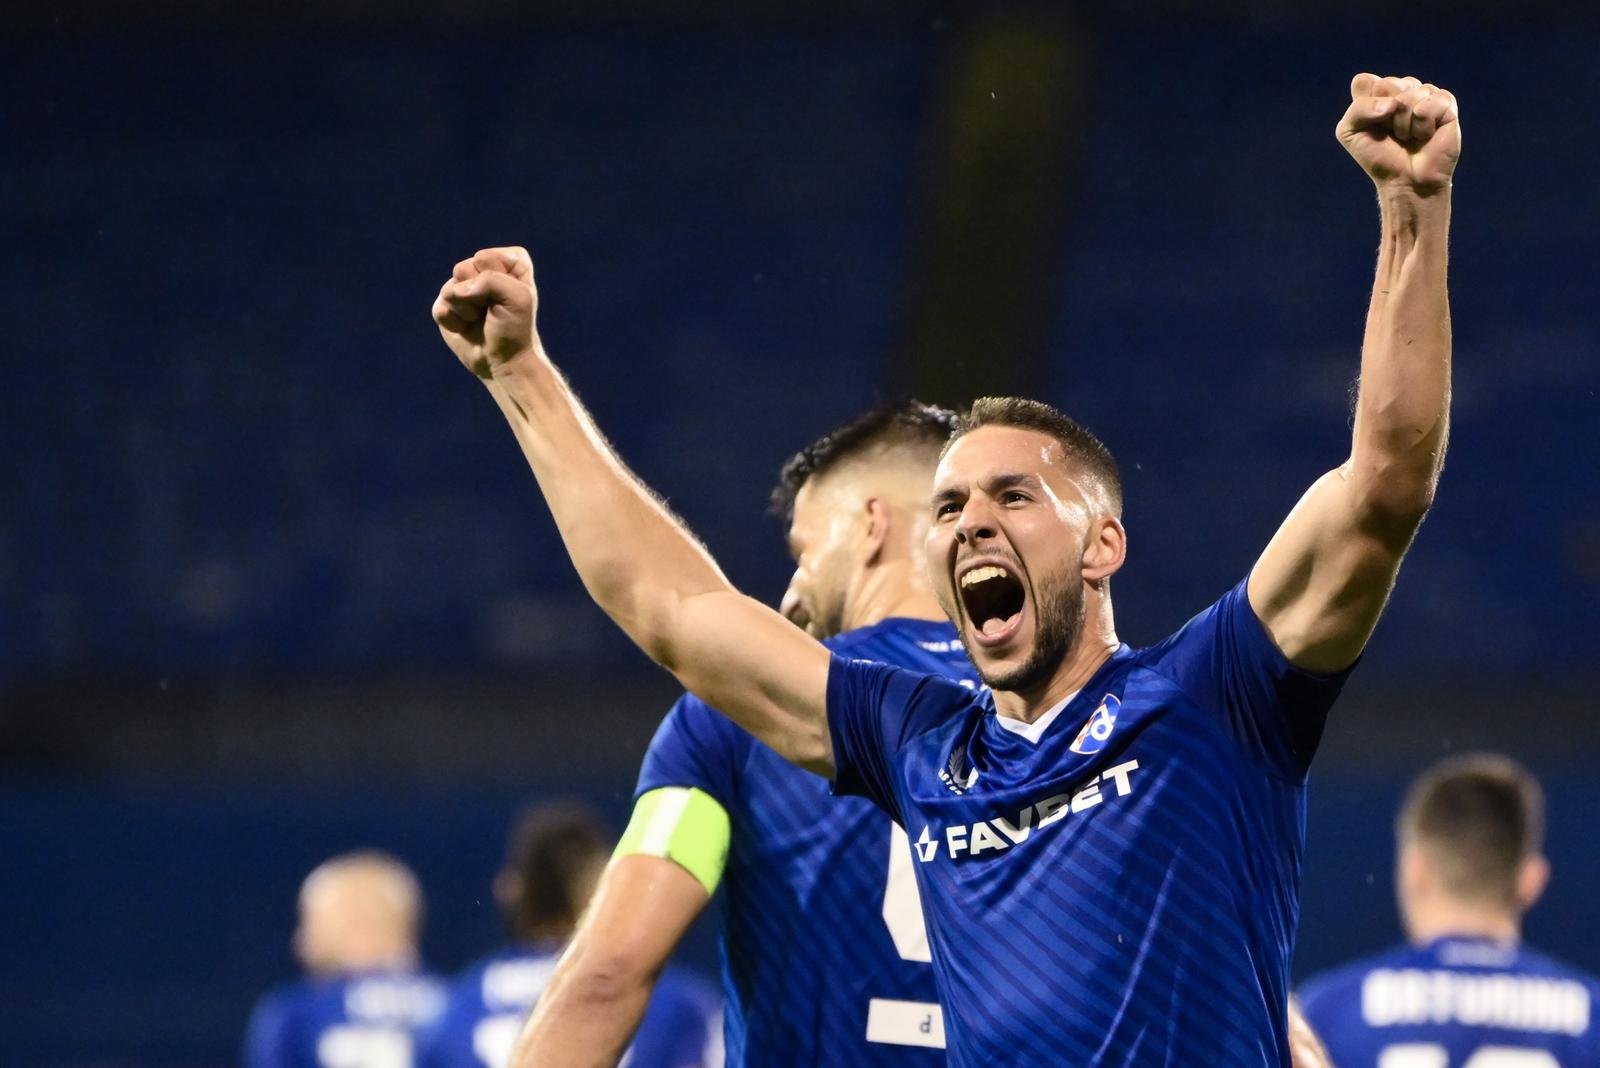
<point x="598" y="995"/>
<point x="636" y="559"/>
<point x="584" y="1019"/>
<point x="1402" y="415"/>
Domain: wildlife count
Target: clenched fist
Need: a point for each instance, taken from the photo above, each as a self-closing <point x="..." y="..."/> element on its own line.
<point x="1403" y="132"/>
<point x="485" y="312"/>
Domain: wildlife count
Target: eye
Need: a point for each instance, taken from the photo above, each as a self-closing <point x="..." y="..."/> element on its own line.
<point x="1013" y="497"/>
<point x="945" y="508"/>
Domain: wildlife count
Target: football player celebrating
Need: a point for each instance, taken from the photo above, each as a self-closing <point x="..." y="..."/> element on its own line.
<point x="1105" y="831"/>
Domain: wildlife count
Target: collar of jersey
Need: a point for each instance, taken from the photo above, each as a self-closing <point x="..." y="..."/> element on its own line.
<point x="1032" y="732"/>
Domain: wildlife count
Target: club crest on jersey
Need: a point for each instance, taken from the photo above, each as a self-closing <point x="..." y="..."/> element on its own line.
<point x="1097" y="731"/>
<point x="955" y="774"/>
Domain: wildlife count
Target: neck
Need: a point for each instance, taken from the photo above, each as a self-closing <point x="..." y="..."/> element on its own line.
<point x="1078" y="668"/>
<point x="1094" y="645"/>
<point x="1446" y="918"/>
<point x="891" y="590"/>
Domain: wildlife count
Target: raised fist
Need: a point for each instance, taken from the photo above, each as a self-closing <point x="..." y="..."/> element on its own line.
<point x="1402" y="132"/>
<point x="485" y="312"/>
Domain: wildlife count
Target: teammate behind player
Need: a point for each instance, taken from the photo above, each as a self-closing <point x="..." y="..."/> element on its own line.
<point x="1464" y="993"/>
<point x="364" y="998"/>
<point x="824" y="950"/>
<point x="553" y="859"/>
<point x="1108" y="827"/>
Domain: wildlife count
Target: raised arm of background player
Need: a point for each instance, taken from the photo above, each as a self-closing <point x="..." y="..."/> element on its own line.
<point x="638" y="561"/>
<point x="1323" y="580"/>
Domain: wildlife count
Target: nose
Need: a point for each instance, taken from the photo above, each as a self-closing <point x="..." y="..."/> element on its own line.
<point x="792" y="607"/>
<point x="975" y="524"/>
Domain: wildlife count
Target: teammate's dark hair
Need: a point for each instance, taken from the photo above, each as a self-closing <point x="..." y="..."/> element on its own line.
<point x="1477" y="816"/>
<point x="1080" y="445"/>
<point x="553" y="855"/>
<point x="909" y="424"/>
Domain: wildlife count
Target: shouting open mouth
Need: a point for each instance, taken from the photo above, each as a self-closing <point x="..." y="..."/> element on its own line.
<point x="992" y="596"/>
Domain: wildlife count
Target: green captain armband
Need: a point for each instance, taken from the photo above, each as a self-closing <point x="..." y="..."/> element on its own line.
<point x="682" y="824"/>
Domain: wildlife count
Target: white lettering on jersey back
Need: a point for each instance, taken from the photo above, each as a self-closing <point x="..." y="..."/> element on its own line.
<point x="1392" y="997"/>
<point x="387" y="1000"/>
<point x="516" y="984"/>
<point x="1002" y="832"/>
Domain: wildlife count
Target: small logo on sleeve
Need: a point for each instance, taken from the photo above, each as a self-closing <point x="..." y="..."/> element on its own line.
<point x="956" y="775"/>
<point x="1097" y="731"/>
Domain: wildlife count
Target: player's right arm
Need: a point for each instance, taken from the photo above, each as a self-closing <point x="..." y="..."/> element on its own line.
<point x="638" y="561"/>
<point x="661" y="878"/>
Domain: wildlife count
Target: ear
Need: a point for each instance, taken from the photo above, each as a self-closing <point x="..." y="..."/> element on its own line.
<point x="1106" y="550"/>
<point x="879" y="518"/>
<point x="1533" y="875"/>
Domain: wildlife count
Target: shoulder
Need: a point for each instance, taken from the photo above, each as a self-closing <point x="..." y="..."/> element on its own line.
<point x="1342" y="985"/>
<point x="281" y="1003"/>
<point x="1542" y="963"/>
<point x="1201" y="629"/>
<point x="692" y="725"/>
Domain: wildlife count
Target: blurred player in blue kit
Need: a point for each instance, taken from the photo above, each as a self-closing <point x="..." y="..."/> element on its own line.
<point x="553" y="859"/>
<point x="1107" y="840"/>
<point x="826" y="958"/>
<point x="1464" y="993"/>
<point x="365" y="996"/>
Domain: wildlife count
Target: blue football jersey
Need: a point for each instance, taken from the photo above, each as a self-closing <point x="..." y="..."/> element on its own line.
<point x="1116" y="884"/>
<point x="361" y="1021"/>
<point x="489" y="1002"/>
<point x="825" y="955"/>
<point x="1456" y="1003"/>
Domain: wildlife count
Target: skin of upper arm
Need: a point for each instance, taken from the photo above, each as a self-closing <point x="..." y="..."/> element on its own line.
<point x="753" y="665"/>
<point x="1324" y="578"/>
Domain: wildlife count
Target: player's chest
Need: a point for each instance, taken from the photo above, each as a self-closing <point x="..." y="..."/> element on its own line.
<point x="1105" y="779"/>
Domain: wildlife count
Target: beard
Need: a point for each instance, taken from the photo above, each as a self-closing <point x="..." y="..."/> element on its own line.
<point x="1059" y="608"/>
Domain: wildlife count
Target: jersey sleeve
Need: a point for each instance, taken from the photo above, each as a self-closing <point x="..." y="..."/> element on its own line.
<point x="873" y="711"/>
<point x="1225" y="659"/>
<point x="696" y="746"/>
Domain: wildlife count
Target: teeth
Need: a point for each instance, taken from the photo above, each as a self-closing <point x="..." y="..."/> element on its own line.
<point x="981" y="574"/>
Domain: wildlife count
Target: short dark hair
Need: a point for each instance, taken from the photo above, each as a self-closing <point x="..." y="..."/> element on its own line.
<point x="552" y="850"/>
<point x="1076" y="440"/>
<point x="907" y="424"/>
<point x="1478" y="816"/>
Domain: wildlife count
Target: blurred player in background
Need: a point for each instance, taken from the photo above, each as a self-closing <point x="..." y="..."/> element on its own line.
<point x="824" y="951"/>
<point x="1108" y="840"/>
<point x="553" y="859"/>
<point x="1464" y="993"/>
<point x="364" y="996"/>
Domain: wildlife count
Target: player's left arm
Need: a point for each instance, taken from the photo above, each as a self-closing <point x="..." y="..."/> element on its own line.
<point x="1324" y="578"/>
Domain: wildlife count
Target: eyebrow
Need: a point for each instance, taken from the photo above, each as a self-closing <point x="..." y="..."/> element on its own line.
<point x="992" y="484"/>
<point x="1007" y="481"/>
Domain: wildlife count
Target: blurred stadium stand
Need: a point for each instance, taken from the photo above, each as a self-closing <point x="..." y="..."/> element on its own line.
<point x="274" y="581"/>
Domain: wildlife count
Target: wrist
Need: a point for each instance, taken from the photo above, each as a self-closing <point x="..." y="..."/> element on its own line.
<point x="527" y="363"/>
<point x="1399" y="194"/>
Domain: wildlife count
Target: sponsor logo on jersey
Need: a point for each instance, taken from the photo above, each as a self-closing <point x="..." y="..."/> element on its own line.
<point x="1000" y="833"/>
<point x="1097" y="731"/>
